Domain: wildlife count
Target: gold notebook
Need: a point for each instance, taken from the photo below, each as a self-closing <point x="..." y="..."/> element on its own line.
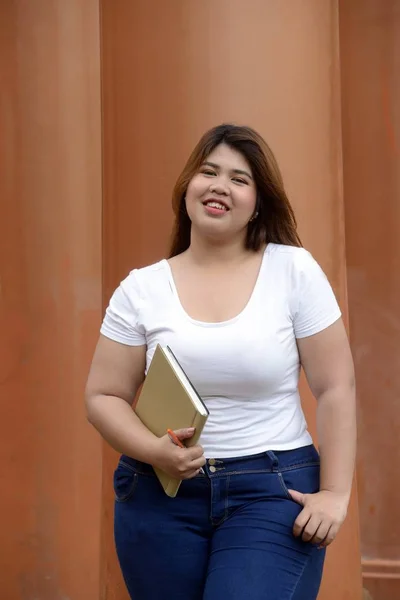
<point x="168" y="400"/>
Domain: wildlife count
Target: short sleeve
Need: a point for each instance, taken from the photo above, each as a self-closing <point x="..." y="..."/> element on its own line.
<point x="314" y="302"/>
<point x="122" y="319"/>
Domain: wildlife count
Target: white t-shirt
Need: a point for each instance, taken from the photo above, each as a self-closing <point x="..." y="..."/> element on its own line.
<point x="246" y="369"/>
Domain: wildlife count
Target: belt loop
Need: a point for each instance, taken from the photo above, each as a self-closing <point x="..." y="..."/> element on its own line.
<point x="274" y="460"/>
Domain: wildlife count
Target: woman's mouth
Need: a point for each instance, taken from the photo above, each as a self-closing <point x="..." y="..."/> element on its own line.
<point x="214" y="207"/>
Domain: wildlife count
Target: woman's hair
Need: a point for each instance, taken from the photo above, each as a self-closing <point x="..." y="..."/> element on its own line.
<point x="275" y="221"/>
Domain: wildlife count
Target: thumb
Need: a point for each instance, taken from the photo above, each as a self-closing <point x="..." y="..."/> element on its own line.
<point x="184" y="434"/>
<point x="298" y="497"/>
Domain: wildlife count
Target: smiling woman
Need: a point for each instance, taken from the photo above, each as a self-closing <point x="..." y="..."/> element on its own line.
<point x="235" y="157"/>
<point x="218" y="191"/>
<point x="243" y="307"/>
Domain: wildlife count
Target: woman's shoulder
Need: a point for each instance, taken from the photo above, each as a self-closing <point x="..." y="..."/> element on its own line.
<point x="295" y="263"/>
<point x="142" y="280"/>
<point x="296" y="256"/>
<point x="152" y="270"/>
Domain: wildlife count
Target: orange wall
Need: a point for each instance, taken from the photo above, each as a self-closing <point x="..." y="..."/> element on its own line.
<point x="171" y="70"/>
<point x="50" y="297"/>
<point x="370" y="47"/>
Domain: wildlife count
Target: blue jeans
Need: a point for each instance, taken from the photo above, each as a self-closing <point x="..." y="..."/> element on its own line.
<point x="227" y="535"/>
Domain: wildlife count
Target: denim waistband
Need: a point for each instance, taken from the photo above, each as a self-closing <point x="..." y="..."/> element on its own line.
<point x="268" y="461"/>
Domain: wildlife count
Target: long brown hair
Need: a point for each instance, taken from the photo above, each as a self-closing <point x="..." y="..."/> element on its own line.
<point x="275" y="221"/>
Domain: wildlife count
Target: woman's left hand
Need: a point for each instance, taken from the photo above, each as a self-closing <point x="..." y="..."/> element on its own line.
<point x="322" y="515"/>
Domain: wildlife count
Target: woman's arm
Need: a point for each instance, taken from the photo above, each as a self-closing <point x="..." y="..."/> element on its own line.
<point x="328" y="365"/>
<point x="116" y="373"/>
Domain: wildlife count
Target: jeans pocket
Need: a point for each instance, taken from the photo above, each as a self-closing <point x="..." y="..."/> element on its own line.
<point x="304" y="479"/>
<point x="125" y="482"/>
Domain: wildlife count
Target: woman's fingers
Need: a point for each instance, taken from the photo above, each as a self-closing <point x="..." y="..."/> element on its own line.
<point x="321" y="533"/>
<point x="301" y="522"/>
<point x="332" y="533"/>
<point x="311" y="528"/>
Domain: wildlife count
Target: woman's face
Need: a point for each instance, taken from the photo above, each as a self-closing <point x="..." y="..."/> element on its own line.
<point x="221" y="197"/>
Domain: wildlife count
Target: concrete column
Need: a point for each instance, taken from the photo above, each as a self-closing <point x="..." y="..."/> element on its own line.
<point x="370" y="49"/>
<point x="50" y="297"/>
<point x="172" y="69"/>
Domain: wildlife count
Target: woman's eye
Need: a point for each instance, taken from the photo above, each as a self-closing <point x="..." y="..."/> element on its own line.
<point x="238" y="180"/>
<point x="208" y="172"/>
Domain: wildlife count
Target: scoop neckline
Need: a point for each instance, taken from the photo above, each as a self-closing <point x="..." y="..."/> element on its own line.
<point x="217" y="323"/>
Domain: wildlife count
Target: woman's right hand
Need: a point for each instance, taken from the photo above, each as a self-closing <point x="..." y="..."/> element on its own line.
<point x="180" y="463"/>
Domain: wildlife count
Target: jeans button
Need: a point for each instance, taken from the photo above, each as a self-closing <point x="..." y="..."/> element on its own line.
<point x="212" y="469"/>
<point x="211" y="461"/>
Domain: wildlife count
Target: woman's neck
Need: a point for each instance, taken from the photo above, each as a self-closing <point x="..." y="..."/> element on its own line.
<point x="203" y="251"/>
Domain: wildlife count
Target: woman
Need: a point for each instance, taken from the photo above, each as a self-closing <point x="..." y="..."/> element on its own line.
<point x="243" y="306"/>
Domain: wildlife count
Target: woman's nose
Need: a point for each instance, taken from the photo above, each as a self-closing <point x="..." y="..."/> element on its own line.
<point x="219" y="187"/>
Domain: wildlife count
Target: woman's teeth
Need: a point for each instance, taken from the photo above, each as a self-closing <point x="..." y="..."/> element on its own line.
<point x="216" y="205"/>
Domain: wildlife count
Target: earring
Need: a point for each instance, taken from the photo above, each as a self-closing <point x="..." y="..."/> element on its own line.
<point x="254" y="217"/>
